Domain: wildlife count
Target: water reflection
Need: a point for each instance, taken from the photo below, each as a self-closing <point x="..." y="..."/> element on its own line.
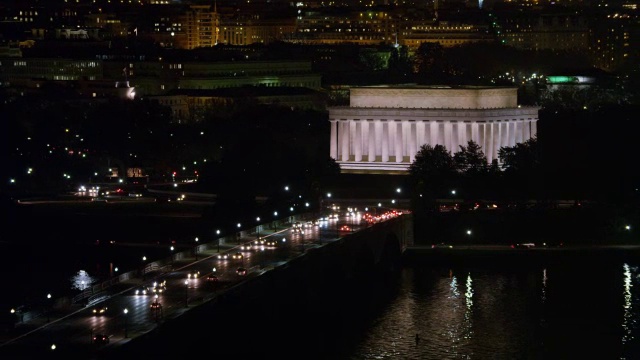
<point x="628" y="322"/>
<point x="546" y="311"/>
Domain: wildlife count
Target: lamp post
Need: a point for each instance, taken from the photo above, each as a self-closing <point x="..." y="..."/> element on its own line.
<point x="275" y="221"/>
<point x="186" y="293"/>
<point x="195" y="249"/>
<point x="126" y="334"/>
<point x="258" y="227"/>
<point x="172" y="248"/>
<point x="144" y="258"/>
<point x="238" y="237"/>
<point x="218" y="236"/>
<point x="48" y="307"/>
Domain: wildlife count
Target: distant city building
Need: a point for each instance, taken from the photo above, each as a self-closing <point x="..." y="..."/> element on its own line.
<point x="384" y="126"/>
<point x="357" y="27"/>
<point x="445" y="34"/>
<point x="543" y="29"/>
<point x="160" y="77"/>
<point x="188" y="106"/>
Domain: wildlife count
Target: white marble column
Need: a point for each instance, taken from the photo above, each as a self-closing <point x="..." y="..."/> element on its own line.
<point x="534" y="128"/>
<point x="468" y="133"/>
<point x="412" y="140"/>
<point x="377" y="125"/>
<point x="433" y="129"/>
<point x="421" y="134"/>
<point x="487" y="147"/>
<point x="352" y="138"/>
<point x="526" y="130"/>
<point x="504" y="133"/>
<point x="455" y="139"/>
<point x="475" y="133"/>
<point x="371" y="148"/>
<point x="462" y="134"/>
<point x="344" y="140"/>
<point x="481" y="135"/>
<point x="333" y="147"/>
<point x="399" y="141"/>
<point x="520" y="131"/>
<point x="512" y="133"/>
<point x="385" y="141"/>
<point x="496" y="142"/>
<point x="357" y="141"/>
<point x="441" y="134"/>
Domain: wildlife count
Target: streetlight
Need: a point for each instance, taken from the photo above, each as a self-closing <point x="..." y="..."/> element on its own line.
<point x="186" y="293"/>
<point x="195" y="249"/>
<point x="275" y="221"/>
<point x="48" y="307"/>
<point x="126" y="334"/>
<point x="238" y="237"/>
<point x="144" y="258"/>
<point x="218" y="236"/>
<point x="172" y="248"/>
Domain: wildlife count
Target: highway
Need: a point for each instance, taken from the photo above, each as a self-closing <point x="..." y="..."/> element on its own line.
<point x="193" y="281"/>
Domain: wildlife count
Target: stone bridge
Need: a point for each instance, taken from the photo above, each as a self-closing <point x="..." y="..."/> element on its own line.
<point x="308" y="289"/>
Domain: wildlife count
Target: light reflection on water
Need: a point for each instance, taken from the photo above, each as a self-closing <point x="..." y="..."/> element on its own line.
<point x="551" y="311"/>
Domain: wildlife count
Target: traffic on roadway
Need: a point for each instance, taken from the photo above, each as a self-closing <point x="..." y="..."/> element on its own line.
<point x="135" y="307"/>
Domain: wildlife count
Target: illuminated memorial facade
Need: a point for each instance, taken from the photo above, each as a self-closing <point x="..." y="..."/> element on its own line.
<point x="383" y="127"/>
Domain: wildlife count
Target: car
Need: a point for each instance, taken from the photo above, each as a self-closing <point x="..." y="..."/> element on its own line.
<point x="212" y="278"/>
<point x="345" y="228"/>
<point x="143" y="290"/>
<point x="241" y="271"/>
<point x="155" y="305"/>
<point x="223" y="256"/>
<point x="100" y="339"/>
<point x="193" y="274"/>
<point x="237" y="255"/>
<point x="99" y="310"/>
<point x="159" y="287"/>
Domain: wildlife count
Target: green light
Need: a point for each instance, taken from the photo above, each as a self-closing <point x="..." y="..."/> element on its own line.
<point x="562" y="79"/>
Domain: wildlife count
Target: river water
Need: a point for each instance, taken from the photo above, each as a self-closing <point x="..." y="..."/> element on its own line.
<point x="568" y="309"/>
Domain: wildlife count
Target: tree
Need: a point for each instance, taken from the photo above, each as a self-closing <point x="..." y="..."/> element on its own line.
<point x="432" y="171"/>
<point x="522" y="168"/>
<point x="471" y="159"/>
<point x="471" y="163"/>
<point x="521" y="158"/>
<point x="431" y="63"/>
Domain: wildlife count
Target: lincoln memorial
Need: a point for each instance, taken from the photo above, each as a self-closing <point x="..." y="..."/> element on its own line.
<point x="383" y="127"/>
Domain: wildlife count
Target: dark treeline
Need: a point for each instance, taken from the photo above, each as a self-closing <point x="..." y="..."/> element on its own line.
<point x="577" y="155"/>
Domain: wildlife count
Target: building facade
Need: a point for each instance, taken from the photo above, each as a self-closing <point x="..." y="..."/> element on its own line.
<point x="384" y="126"/>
